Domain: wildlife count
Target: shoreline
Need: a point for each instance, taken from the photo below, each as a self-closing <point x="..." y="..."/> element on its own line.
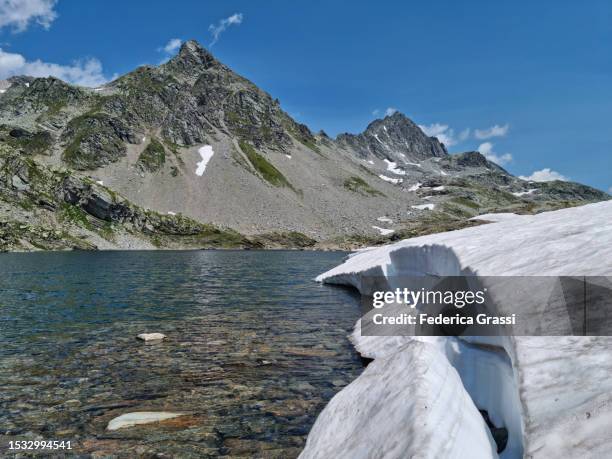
<point x="166" y="250"/>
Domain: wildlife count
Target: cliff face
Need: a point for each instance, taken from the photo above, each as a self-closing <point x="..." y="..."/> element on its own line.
<point x="192" y="139"/>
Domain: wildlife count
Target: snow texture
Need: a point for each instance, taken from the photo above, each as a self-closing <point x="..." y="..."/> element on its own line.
<point x="391" y="180"/>
<point x="383" y="231"/>
<point x="206" y="152"/>
<point x="392" y="167"/>
<point x="553" y="394"/>
<point x="411" y="404"/>
<point x="424" y="206"/>
<point x="523" y="193"/>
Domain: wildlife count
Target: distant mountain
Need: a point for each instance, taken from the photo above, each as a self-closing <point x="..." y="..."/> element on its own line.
<point x="396" y="138"/>
<point x="190" y="154"/>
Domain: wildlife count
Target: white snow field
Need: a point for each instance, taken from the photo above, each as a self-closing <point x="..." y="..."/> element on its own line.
<point x="383" y="231"/>
<point x="206" y="153"/>
<point x="391" y="180"/>
<point x="424" y="206"/>
<point x="392" y="167"/>
<point x="553" y="394"/>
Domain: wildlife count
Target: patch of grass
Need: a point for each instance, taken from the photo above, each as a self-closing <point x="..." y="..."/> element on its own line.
<point x="301" y="134"/>
<point x="175" y="149"/>
<point x="290" y="239"/>
<point x="26" y="204"/>
<point x="92" y="141"/>
<point x="268" y="172"/>
<point x="457" y="211"/>
<point x="153" y="156"/>
<point x="358" y="185"/>
<point x="29" y="143"/>
<point x="70" y="213"/>
<point x="466" y="202"/>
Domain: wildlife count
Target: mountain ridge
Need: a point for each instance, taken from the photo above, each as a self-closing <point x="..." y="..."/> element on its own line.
<point x="139" y="139"/>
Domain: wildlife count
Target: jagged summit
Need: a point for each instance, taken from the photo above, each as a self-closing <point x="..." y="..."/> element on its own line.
<point x="395" y="137"/>
<point x="191" y="60"/>
<point x="143" y="139"/>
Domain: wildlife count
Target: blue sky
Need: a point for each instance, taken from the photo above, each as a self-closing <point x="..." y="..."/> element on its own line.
<point x="538" y="73"/>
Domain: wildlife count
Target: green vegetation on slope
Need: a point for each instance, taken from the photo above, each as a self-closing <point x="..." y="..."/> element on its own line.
<point x="153" y="156"/>
<point x="268" y="172"/>
<point x="93" y="140"/>
<point x="358" y="185"/>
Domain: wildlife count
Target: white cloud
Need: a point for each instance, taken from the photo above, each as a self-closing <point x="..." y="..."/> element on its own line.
<point x="493" y="131"/>
<point x="84" y="73"/>
<point x="544" y="175"/>
<point x="486" y="149"/>
<point x="217" y="30"/>
<point x="375" y="112"/>
<point x="19" y="13"/>
<point x="442" y="132"/>
<point x="390" y="111"/>
<point x="172" y="46"/>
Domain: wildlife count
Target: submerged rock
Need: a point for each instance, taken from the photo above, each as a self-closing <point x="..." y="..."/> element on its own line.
<point x="151" y="336"/>
<point x="143" y="417"/>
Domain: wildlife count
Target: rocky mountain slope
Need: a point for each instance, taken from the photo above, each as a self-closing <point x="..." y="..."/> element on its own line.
<point x="190" y="154"/>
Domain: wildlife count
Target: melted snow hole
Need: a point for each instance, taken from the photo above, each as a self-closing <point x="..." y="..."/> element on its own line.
<point x="488" y="377"/>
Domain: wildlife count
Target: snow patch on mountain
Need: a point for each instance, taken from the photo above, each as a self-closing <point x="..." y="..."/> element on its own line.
<point x="424" y="206"/>
<point x="523" y="193"/>
<point x="383" y="231"/>
<point x="392" y="167"/>
<point x="206" y="153"/>
<point x="391" y="180"/>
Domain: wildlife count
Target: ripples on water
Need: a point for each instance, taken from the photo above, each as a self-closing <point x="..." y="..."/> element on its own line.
<point x="255" y="349"/>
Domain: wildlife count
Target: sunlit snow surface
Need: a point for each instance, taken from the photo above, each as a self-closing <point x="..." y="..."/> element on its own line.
<point x="424" y="206"/>
<point x="383" y="231"/>
<point x="391" y="180"/>
<point x="415" y="187"/>
<point x="392" y="167"/>
<point x="553" y="394"/>
<point x="206" y="152"/>
<point x="523" y="193"/>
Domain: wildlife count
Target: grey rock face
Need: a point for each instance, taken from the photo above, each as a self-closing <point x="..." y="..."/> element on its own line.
<point x="392" y="137"/>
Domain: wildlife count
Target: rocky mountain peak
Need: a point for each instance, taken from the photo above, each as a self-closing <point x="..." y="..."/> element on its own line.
<point x="395" y="137"/>
<point x="191" y="60"/>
